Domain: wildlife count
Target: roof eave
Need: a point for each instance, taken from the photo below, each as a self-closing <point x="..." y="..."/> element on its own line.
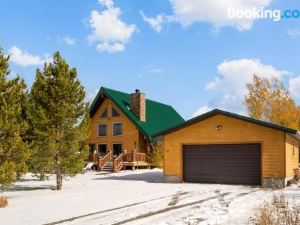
<point x="236" y="116"/>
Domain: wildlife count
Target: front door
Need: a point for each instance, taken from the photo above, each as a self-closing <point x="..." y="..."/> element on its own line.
<point x="102" y="149"/>
<point x="117" y="149"/>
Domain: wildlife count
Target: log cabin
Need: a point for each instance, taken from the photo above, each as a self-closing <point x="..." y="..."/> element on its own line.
<point x="122" y="126"/>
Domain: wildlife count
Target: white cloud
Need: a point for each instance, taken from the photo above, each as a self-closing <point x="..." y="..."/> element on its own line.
<point x="215" y="12"/>
<point x="23" y="58"/>
<point x="107" y="3"/>
<point x="294" y="87"/>
<point x="294" y="33"/>
<point x="109" y="31"/>
<point x="156" y="22"/>
<point x="201" y="110"/>
<point x="110" y="47"/>
<point x="155" y="70"/>
<point x="69" y="40"/>
<point x="229" y="87"/>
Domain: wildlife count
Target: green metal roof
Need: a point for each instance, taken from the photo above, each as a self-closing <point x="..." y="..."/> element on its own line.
<point x="225" y="113"/>
<point x="159" y="116"/>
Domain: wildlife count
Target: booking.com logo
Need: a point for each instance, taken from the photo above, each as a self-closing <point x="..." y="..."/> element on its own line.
<point x="261" y="13"/>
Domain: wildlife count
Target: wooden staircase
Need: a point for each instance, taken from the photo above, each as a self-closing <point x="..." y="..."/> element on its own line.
<point x="108" y="167"/>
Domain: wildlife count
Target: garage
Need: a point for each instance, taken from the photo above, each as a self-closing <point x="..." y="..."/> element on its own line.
<point x="225" y="148"/>
<point x="222" y="163"/>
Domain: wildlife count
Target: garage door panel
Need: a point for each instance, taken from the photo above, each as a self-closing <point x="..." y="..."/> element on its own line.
<point x="231" y="164"/>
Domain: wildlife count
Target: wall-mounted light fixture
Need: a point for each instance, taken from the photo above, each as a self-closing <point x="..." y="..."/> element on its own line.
<point x="219" y="127"/>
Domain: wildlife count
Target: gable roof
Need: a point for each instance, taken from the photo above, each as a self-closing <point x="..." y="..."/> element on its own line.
<point x="159" y="116"/>
<point x="229" y="114"/>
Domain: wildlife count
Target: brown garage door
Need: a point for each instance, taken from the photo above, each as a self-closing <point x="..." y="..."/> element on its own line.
<point x="224" y="164"/>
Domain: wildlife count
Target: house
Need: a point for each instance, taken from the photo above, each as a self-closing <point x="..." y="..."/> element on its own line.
<point x="122" y="126"/>
<point x="226" y="148"/>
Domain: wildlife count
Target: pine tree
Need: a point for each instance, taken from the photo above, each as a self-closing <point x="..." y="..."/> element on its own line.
<point x="13" y="149"/>
<point x="59" y="120"/>
<point x="270" y="101"/>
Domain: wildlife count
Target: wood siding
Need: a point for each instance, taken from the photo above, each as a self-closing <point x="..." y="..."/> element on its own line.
<point x="292" y="160"/>
<point x="131" y="136"/>
<point x="233" y="131"/>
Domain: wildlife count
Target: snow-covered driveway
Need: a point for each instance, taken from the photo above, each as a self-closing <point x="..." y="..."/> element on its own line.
<point x="130" y="197"/>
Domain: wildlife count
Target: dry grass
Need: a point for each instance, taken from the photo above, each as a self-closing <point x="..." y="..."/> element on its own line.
<point x="279" y="211"/>
<point x="3" y="202"/>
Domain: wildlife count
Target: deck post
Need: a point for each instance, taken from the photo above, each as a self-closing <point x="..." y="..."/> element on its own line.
<point x="124" y="154"/>
<point x="111" y="156"/>
<point x="94" y="156"/>
<point x="99" y="163"/>
<point x="133" y="155"/>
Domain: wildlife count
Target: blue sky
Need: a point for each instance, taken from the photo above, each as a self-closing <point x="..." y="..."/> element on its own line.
<point x="182" y="52"/>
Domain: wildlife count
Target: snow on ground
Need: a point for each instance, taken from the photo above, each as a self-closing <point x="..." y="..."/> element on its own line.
<point x="132" y="197"/>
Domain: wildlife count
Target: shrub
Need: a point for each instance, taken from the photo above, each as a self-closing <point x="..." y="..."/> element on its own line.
<point x="277" y="212"/>
<point x="157" y="156"/>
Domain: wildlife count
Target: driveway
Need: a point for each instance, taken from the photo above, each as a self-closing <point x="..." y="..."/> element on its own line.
<point x="131" y="197"/>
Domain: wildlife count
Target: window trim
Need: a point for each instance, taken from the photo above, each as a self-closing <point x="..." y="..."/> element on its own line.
<point x="98" y="129"/>
<point x="112" y="130"/>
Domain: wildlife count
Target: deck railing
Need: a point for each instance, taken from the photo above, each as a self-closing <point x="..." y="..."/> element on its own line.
<point x="131" y="156"/>
<point x="103" y="160"/>
<point x="118" y="162"/>
<point x="136" y="157"/>
<point x="140" y="157"/>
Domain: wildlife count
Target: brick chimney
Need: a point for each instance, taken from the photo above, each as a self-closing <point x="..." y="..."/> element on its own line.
<point x="138" y="105"/>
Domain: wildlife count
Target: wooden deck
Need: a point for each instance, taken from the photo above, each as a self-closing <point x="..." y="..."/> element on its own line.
<point x="136" y="165"/>
<point x="125" y="160"/>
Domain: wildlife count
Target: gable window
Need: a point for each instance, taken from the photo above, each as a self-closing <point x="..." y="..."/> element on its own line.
<point x="117" y="129"/>
<point x="102" y="130"/>
<point x="104" y="113"/>
<point x="114" y="112"/>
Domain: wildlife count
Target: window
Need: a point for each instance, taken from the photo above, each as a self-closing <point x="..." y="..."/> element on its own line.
<point x="104" y="113"/>
<point x="117" y="149"/>
<point x="102" y="149"/>
<point x="102" y="130"/>
<point x="117" y="129"/>
<point x="114" y="112"/>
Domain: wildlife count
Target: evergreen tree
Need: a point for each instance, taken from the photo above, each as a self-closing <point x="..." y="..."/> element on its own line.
<point x="59" y="120"/>
<point x="13" y="150"/>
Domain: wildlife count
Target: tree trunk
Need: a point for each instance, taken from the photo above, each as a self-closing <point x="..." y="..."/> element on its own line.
<point x="59" y="178"/>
